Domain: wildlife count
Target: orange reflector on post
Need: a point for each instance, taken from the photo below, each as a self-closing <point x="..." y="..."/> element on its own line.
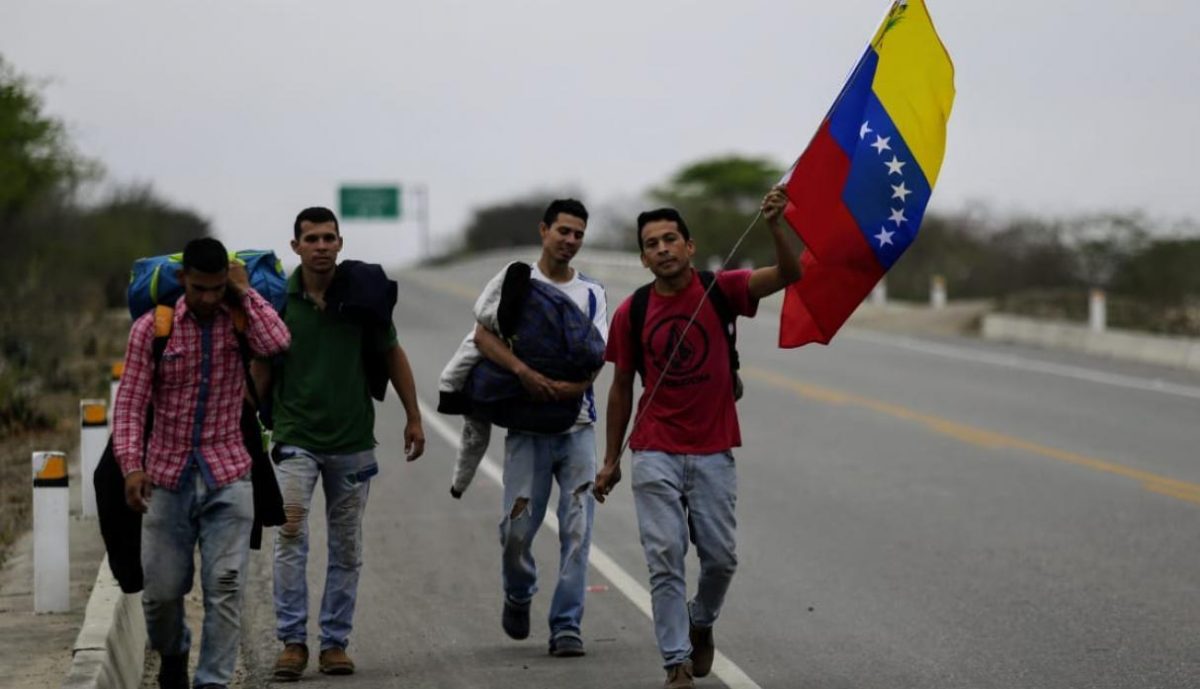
<point x="52" y="472"/>
<point x="118" y="370"/>
<point x="93" y="412"/>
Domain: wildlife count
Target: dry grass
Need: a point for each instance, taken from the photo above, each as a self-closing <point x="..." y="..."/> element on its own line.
<point x="96" y="340"/>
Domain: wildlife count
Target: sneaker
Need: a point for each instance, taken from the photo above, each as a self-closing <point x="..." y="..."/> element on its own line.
<point x="566" y="647"/>
<point x="172" y="672"/>
<point x="290" y="663"/>
<point x="702" y="650"/>
<point x="515" y="619"/>
<point x="680" y="676"/>
<point x="334" y="661"/>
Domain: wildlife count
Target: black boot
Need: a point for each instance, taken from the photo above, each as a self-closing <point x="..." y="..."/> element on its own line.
<point x="172" y="672"/>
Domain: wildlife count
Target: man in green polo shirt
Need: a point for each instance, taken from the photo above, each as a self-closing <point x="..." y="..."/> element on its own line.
<point x="324" y="428"/>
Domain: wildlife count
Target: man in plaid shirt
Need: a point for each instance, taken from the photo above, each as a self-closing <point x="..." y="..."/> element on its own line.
<point x="192" y="481"/>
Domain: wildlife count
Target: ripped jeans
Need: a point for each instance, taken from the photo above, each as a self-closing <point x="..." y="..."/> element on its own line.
<point x="220" y="520"/>
<point x="531" y="463"/>
<point x="345" y="480"/>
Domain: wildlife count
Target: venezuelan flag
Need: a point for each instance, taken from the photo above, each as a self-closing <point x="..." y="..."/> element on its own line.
<point x="859" y="191"/>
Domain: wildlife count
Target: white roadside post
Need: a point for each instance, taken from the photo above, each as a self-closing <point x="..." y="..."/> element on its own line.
<point x="93" y="435"/>
<point x="1097" y="311"/>
<point x="879" y="293"/>
<point x="51" y="533"/>
<point x="937" y="292"/>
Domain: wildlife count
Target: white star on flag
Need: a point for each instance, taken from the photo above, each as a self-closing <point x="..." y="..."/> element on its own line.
<point x="884" y="236"/>
<point x="881" y="143"/>
<point x="898" y="216"/>
<point x="894" y="166"/>
<point x="866" y="129"/>
<point x="900" y="192"/>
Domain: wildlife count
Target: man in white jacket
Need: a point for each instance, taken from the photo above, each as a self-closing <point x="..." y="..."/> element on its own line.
<point x="534" y="461"/>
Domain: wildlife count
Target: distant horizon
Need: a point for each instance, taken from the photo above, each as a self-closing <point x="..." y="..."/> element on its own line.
<point x="1064" y="109"/>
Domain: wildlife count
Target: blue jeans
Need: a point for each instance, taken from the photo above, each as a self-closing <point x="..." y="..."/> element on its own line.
<point x="677" y="497"/>
<point x="220" y="519"/>
<point x="345" y="480"/>
<point x="531" y="463"/>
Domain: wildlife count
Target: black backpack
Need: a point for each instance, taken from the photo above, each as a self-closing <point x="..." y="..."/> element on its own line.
<point x="719" y="302"/>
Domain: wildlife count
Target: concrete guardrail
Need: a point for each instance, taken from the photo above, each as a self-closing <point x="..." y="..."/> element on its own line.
<point x="1164" y="350"/>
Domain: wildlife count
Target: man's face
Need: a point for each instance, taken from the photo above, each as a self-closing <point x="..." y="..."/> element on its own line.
<point x="203" y="292"/>
<point x="318" y="246"/>
<point x="562" y="239"/>
<point x="664" y="250"/>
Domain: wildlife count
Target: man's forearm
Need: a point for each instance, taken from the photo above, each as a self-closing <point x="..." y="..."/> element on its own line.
<point x="620" y="407"/>
<point x="491" y="346"/>
<point x="133" y="400"/>
<point x="266" y="332"/>
<point x="571" y="390"/>
<point x="767" y="281"/>
<point x="786" y="257"/>
<point x="401" y="375"/>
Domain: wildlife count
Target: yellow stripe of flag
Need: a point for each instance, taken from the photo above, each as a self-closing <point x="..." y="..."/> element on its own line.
<point x="915" y="82"/>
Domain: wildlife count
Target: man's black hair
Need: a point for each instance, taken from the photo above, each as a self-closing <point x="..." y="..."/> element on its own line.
<point x="568" y="206"/>
<point x="661" y="214"/>
<point x="316" y="215"/>
<point x="206" y="255"/>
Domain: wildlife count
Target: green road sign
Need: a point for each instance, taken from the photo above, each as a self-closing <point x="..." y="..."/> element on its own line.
<point x="375" y="202"/>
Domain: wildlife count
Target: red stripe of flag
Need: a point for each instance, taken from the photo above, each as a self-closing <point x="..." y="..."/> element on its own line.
<point x="839" y="267"/>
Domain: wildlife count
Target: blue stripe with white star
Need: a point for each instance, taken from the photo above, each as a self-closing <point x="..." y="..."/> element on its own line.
<point x="886" y="191"/>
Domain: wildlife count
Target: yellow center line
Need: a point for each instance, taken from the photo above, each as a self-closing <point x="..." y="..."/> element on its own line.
<point x="1182" y="490"/>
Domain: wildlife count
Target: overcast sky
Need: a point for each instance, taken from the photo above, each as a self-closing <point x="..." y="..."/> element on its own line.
<point x="248" y="111"/>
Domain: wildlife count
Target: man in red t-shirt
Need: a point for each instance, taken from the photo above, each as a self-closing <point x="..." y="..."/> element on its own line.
<point x="683" y="469"/>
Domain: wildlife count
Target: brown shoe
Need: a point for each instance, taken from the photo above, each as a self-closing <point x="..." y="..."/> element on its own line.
<point x="334" y="661"/>
<point x="702" y="650"/>
<point x="680" y="676"/>
<point x="291" y="663"/>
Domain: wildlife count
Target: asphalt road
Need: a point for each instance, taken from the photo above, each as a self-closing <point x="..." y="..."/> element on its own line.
<point x="912" y="513"/>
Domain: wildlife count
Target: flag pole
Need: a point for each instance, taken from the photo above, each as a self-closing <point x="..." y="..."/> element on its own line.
<point x="850" y="77"/>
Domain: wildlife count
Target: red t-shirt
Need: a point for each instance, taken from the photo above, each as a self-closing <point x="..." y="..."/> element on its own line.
<point x="693" y="411"/>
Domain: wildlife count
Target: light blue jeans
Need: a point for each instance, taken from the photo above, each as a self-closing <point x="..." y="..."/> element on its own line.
<point x="345" y="480"/>
<point x="532" y="462"/>
<point x="681" y="498"/>
<point x="220" y="520"/>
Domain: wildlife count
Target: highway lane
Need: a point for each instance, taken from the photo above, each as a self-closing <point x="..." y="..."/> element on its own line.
<point x="911" y="514"/>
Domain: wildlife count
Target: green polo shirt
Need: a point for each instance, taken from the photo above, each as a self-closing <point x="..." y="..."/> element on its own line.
<point x="321" y="399"/>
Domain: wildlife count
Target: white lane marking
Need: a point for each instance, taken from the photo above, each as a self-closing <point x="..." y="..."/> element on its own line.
<point x="723" y="668"/>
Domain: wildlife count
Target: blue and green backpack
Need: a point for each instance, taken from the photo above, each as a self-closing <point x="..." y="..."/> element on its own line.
<point x="154" y="280"/>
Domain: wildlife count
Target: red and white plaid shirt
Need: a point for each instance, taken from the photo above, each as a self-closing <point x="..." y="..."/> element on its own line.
<point x="182" y="429"/>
